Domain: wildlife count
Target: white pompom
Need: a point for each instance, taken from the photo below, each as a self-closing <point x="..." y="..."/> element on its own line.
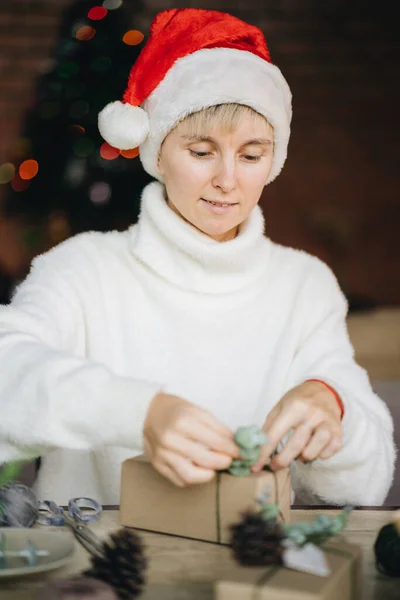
<point x="123" y="126"/>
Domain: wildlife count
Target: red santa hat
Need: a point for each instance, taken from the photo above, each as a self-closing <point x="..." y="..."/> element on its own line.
<point x="194" y="59"/>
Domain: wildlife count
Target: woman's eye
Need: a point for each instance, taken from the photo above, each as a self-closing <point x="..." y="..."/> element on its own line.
<point x="199" y="154"/>
<point x="253" y="158"/>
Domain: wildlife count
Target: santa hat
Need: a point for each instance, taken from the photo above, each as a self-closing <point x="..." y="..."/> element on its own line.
<point x="194" y="59"/>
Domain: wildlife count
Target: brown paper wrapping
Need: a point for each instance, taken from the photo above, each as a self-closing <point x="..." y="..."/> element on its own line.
<point x="278" y="583"/>
<point x="204" y="512"/>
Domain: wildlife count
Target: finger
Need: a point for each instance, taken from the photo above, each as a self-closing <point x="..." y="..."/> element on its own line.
<point x="168" y="473"/>
<point x="289" y="418"/>
<point x="297" y="443"/>
<point x="321" y="437"/>
<point x="199" y="454"/>
<point x="200" y="432"/>
<point x="209" y="419"/>
<point x="332" y="448"/>
<point x="186" y="470"/>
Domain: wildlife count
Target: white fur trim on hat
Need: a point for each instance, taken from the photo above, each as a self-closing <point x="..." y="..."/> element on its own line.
<point x="123" y="126"/>
<point x="217" y="76"/>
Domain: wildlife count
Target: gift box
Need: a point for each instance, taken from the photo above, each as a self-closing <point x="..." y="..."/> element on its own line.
<point x="279" y="583"/>
<point x="205" y="511"/>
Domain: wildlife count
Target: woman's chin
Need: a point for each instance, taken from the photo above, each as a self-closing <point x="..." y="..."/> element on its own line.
<point x="218" y="231"/>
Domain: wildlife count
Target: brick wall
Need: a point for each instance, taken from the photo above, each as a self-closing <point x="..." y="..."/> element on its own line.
<point x="337" y="196"/>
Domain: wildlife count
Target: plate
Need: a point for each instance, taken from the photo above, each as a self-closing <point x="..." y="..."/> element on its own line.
<point x="59" y="544"/>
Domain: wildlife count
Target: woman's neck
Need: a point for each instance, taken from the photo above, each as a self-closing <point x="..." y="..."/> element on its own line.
<point x="222" y="237"/>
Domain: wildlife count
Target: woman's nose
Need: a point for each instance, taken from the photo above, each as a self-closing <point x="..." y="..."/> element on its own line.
<point x="225" y="176"/>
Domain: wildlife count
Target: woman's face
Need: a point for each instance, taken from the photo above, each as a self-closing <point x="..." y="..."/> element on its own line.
<point x="214" y="182"/>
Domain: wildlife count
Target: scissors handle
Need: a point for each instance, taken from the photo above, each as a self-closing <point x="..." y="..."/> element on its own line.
<point x="50" y="513"/>
<point x="76" y="506"/>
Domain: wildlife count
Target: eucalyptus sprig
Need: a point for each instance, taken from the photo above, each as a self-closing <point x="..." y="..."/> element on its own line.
<point x="318" y="530"/>
<point x="250" y="440"/>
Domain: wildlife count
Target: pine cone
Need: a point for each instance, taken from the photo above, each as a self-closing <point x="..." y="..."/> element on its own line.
<point x="122" y="565"/>
<point x="257" y="542"/>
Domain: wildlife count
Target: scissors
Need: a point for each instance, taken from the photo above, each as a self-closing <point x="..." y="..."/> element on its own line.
<point x="80" y="511"/>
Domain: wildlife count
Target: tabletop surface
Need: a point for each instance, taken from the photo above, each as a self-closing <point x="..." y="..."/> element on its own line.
<point x="183" y="569"/>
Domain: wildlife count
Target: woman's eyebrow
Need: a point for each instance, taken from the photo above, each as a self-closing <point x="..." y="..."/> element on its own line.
<point x="202" y="138"/>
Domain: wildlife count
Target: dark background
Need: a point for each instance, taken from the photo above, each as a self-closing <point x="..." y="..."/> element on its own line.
<point x="338" y="194"/>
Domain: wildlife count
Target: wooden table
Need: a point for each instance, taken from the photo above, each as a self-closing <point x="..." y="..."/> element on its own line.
<point x="182" y="569"/>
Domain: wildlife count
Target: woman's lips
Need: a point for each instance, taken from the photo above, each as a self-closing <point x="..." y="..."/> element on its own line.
<point x="218" y="208"/>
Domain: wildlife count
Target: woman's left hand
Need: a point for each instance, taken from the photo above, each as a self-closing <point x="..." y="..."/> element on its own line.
<point x="312" y="412"/>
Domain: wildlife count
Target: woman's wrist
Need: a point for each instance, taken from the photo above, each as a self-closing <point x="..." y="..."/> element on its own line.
<point x="334" y="393"/>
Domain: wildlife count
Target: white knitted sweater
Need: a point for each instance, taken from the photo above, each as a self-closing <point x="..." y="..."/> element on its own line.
<point x="105" y="321"/>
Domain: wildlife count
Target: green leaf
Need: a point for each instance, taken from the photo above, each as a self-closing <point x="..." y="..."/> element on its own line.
<point x="10" y="471"/>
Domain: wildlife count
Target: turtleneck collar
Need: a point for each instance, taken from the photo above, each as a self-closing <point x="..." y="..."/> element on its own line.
<point x="186" y="257"/>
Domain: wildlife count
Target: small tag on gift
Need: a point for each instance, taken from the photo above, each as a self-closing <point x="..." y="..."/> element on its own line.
<point x="308" y="558"/>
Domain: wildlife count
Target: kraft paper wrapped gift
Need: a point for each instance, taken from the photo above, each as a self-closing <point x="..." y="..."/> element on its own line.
<point x="279" y="583"/>
<point x="204" y="512"/>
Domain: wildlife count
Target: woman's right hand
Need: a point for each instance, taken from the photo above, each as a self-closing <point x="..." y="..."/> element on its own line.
<point x="186" y="443"/>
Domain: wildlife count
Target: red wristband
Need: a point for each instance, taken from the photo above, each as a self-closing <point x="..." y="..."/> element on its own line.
<point x="334" y="392"/>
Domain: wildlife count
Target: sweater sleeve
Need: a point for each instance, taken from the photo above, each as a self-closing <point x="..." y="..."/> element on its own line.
<point x="361" y="472"/>
<point x="50" y="395"/>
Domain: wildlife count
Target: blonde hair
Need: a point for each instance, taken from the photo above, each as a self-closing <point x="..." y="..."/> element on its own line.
<point x="228" y="117"/>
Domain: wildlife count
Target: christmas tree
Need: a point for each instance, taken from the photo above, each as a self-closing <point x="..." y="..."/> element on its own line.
<point x="67" y="180"/>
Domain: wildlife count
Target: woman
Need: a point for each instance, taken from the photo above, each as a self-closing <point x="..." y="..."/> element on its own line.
<point x="169" y="336"/>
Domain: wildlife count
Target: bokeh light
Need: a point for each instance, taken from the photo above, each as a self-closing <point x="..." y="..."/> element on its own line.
<point x="18" y="184"/>
<point x="28" y="169"/>
<point x="79" y="109"/>
<point x="58" y="227"/>
<point x="84" y="147"/>
<point x="100" y="192"/>
<point x="101" y="64"/>
<point x="108" y="152"/>
<point x="68" y="69"/>
<point x="49" y="110"/>
<point x="78" y="129"/>
<point x="130" y="153"/>
<point x="97" y="13"/>
<point x="7" y="172"/>
<point x="112" y="4"/>
<point x="22" y="147"/>
<point x="85" y="33"/>
<point x="133" y="37"/>
<point x="74" y="89"/>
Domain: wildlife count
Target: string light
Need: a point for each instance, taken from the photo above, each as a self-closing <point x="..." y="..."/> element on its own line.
<point x="97" y="13"/>
<point x="112" y="4"/>
<point x="109" y="152"/>
<point x="78" y="128"/>
<point x="18" y="184"/>
<point x="58" y="227"/>
<point x="7" y="172"/>
<point x="100" y="192"/>
<point x="85" y="33"/>
<point x="130" y="153"/>
<point x="133" y="37"/>
<point x="28" y="169"/>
